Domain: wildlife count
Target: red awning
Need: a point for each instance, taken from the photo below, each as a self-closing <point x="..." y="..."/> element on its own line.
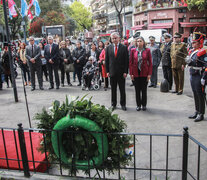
<point x="160" y="25"/>
<point x="193" y="24"/>
<point x="138" y="27"/>
<point x="102" y="35"/>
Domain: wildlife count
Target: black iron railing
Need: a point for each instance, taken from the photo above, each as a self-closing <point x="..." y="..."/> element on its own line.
<point x="156" y="156"/>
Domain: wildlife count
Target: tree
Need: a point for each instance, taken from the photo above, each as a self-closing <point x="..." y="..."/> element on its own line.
<point x="36" y="27"/>
<point x="49" y="5"/>
<point x="1" y="15"/>
<point x="119" y="5"/>
<point x="200" y="4"/>
<point x="54" y="18"/>
<point x="81" y="15"/>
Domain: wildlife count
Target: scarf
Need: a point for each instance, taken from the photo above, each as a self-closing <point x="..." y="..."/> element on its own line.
<point x="22" y="55"/>
<point x="140" y="58"/>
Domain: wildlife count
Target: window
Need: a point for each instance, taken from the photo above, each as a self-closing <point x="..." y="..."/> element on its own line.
<point x="162" y="21"/>
<point x="198" y="20"/>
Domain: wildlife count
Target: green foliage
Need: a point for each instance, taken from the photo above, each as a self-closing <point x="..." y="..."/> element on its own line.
<point x="200" y="4"/>
<point x="81" y="15"/>
<point x="1" y="15"/>
<point x="49" y="5"/>
<point x="84" y="145"/>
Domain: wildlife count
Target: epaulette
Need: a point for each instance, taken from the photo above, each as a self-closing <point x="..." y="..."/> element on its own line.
<point x="201" y="52"/>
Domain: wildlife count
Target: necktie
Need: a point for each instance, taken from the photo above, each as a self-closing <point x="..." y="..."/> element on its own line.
<point x="115" y="50"/>
<point x="32" y="51"/>
<point x="50" y="48"/>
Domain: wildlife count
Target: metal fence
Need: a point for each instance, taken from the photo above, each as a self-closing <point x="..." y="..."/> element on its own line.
<point x="155" y="156"/>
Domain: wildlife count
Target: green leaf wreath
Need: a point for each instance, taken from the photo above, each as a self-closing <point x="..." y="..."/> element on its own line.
<point x="109" y="122"/>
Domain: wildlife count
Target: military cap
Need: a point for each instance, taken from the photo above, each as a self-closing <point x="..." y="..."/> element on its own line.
<point x="177" y="35"/>
<point x="197" y="36"/>
<point x="151" y="38"/>
<point x="167" y="35"/>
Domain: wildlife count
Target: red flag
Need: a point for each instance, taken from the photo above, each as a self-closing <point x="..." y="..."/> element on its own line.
<point x="30" y="14"/>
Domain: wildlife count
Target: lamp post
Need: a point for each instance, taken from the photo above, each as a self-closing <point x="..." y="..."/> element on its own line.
<point x="124" y="20"/>
<point x="10" y="55"/>
<point x="24" y="27"/>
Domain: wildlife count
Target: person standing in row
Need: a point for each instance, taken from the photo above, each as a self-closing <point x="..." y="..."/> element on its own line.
<point x="33" y="57"/>
<point x="197" y="61"/>
<point x="51" y="53"/>
<point x="23" y="61"/>
<point x="65" y="58"/>
<point x="79" y="60"/>
<point x="44" y="61"/>
<point x="166" y="59"/>
<point x="140" y="68"/>
<point x="102" y="62"/>
<point x="178" y="53"/>
<point x="156" y="56"/>
<point x="117" y="63"/>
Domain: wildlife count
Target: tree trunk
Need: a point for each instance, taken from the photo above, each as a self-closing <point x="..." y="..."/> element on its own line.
<point x="121" y="25"/>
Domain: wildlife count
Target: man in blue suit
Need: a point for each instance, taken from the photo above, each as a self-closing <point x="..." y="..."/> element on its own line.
<point x="51" y="53"/>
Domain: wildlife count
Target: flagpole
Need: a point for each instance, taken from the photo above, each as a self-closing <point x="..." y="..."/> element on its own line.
<point x="10" y="55"/>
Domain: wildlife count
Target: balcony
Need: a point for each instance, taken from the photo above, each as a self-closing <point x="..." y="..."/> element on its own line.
<point x="100" y="16"/>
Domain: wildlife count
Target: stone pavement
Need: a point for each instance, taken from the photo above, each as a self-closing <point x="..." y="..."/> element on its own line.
<point x="166" y="113"/>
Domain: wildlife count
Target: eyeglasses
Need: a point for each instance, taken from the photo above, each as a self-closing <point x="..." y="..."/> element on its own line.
<point x="31" y="40"/>
<point x="139" y="41"/>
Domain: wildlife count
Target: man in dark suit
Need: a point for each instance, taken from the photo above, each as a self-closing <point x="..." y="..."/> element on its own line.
<point x="35" y="64"/>
<point x="117" y="63"/>
<point x="52" y="56"/>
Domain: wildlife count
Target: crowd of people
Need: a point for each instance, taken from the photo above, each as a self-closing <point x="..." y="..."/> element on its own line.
<point x="113" y="60"/>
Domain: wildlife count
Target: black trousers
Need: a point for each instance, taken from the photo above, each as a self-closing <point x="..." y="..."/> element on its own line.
<point x="198" y="93"/>
<point x="106" y="82"/>
<point x="88" y="79"/>
<point x="167" y="72"/>
<point x="154" y="76"/>
<point x="120" y="80"/>
<point x="78" y="71"/>
<point x="0" y="80"/>
<point x="38" y="69"/>
<point x="7" y="78"/>
<point x="53" y="68"/>
<point x="140" y="84"/>
<point x="62" y="70"/>
<point x="44" y="71"/>
<point x="26" y="72"/>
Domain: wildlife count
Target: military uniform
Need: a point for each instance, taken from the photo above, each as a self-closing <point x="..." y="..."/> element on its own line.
<point x="178" y="53"/>
<point x="198" y="76"/>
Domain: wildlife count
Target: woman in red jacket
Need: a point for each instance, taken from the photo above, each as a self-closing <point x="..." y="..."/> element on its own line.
<point x="140" y="68"/>
<point x="102" y="62"/>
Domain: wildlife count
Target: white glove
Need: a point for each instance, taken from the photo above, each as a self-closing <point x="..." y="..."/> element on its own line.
<point x="188" y="59"/>
<point x="203" y="81"/>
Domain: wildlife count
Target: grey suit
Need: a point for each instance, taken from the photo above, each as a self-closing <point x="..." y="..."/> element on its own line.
<point x="37" y="66"/>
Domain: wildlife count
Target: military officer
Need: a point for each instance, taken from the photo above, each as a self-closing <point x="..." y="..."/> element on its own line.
<point x="178" y="53"/>
<point x="156" y="56"/>
<point x="166" y="59"/>
<point x="197" y="60"/>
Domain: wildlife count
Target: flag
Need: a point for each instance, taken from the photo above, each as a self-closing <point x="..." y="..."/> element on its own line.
<point x="36" y="5"/>
<point x="23" y="8"/>
<point x="12" y="11"/>
<point x="30" y="15"/>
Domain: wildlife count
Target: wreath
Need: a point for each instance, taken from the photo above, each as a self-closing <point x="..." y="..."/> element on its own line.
<point x="86" y="145"/>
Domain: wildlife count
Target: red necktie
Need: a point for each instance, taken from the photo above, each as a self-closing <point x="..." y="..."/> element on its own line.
<point x="115" y="50"/>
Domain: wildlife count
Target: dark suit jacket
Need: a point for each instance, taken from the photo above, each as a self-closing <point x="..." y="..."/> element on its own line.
<point x="117" y="65"/>
<point x="54" y="55"/>
<point x="36" y="54"/>
<point x="165" y="50"/>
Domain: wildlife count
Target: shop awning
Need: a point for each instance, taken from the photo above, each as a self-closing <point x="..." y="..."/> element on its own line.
<point x="193" y="24"/>
<point x="160" y="25"/>
<point x="103" y="35"/>
<point x="138" y="27"/>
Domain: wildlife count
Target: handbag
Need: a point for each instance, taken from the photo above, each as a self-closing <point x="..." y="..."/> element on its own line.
<point x="69" y="67"/>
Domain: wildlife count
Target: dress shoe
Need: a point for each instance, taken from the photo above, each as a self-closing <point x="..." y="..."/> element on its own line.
<point x="138" y="108"/>
<point x="144" y="108"/>
<point x="199" y="118"/>
<point x="124" y="108"/>
<point x="131" y="85"/>
<point x="69" y="84"/>
<point x="62" y="85"/>
<point x="51" y="87"/>
<point x="180" y="93"/>
<point x="154" y="86"/>
<point x="193" y="116"/>
<point x="57" y="87"/>
<point x="32" y="89"/>
<point x="29" y="83"/>
<point x="41" y="88"/>
<point x="151" y="85"/>
<point x="25" y="83"/>
<point x="79" y="84"/>
<point x="174" y="92"/>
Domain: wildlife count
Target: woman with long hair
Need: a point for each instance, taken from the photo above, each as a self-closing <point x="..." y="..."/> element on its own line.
<point x="102" y="62"/>
<point x="24" y="66"/>
<point x="140" y="67"/>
